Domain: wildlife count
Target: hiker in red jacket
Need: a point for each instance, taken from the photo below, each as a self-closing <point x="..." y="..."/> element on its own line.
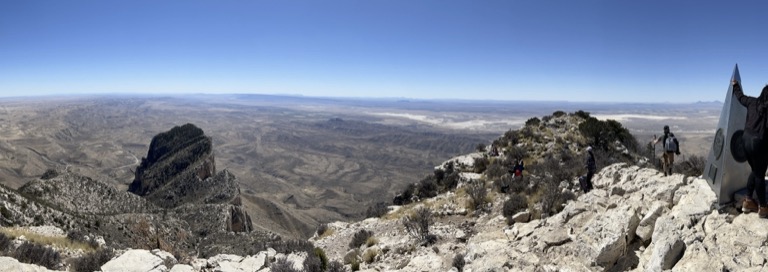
<point x="755" y="146"/>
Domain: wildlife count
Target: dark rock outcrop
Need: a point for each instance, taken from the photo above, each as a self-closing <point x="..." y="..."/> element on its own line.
<point x="180" y="170"/>
<point x="176" y="156"/>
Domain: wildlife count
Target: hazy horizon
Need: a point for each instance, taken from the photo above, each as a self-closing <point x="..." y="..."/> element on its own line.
<point x="351" y="98"/>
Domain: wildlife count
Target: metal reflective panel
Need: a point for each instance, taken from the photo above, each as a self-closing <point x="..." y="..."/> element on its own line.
<point x="726" y="170"/>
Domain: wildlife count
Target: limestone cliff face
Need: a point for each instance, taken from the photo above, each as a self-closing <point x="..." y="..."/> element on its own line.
<point x="176" y="156"/>
<point x="180" y="169"/>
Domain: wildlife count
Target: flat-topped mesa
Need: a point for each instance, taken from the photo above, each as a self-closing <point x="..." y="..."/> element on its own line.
<point x="180" y="169"/>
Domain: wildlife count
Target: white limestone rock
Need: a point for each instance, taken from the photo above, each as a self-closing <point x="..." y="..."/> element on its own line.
<point x="8" y="264"/>
<point x="135" y="260"/>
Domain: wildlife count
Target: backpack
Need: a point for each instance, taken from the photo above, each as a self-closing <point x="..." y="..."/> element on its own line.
<point x="670" y="144"/>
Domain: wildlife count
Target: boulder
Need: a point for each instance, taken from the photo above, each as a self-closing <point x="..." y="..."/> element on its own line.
<point x="8" y="264"/>
<point x="668" y="246"/>
<point x="609" y="235"/>
<point x="645" y="228"/>
<point x="182" y="268"/>
<point x="522" y="217"/>
<point x="135" y="260"/>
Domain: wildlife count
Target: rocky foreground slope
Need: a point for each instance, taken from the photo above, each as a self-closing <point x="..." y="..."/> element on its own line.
<point x="635" y="219"/>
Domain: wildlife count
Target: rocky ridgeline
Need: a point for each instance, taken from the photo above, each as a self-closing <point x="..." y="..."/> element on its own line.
<point x="78" y="194"/>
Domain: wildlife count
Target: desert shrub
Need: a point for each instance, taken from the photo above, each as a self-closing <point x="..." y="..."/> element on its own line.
<point x="449" y="182"/>
<point x="533" y="122"/>
<point x="510" y="184"/>
<point x="417" y="225"/>
<point x="552" y="169"/>
<point x="321" y="229"/>
<point x="371" y="241"/>
<point x="37" y="254"/>
<point x="531" y="134"/>
<point x="369" y="256"/>
<point x="428" y="187"/>
<point x="360" y="238"/>
<point x="558" y="113"/>
<point x="92" y="261"/>
<point x="515" y="204"/>
<point x="49" y="174"/>
<point x="377" y="210"/>
<point x="5" y="212"/>
<point x="548" y="199"/>
<point x="477" y="194"/>
<point x="582" y="114"/>
<point x="77" y="235"/>
<point x="336" y="266"/>
<point x="502" y="185"/>
<point x="5" y="242"/>
<point x="480" y="147"/>
<point x="510" y="138"/>
<point x="405" y="197"/>
<point x="546" y="119"/>
<point x="439" y="174"/>
<point x="481" y="164"/>
<point x="316" y="261"/>
<point x="353" y="259"/>
<point x="458" y="262"/>
<point x="602" y="133"/>
<point x="691" y="166"/>
<point x="552" y="198"/>
<point x="515" y="152"/>
<point x="282" y="265"/>
<point x="450" y="167"/>
<point x="495" y="170"/>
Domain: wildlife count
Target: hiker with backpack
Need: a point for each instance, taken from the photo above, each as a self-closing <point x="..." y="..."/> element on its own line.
<point x="671" y="148"/>
<point x="755" y="146"/>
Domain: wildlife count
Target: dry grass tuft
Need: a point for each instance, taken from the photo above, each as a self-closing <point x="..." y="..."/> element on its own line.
<point x="55" y="241"/>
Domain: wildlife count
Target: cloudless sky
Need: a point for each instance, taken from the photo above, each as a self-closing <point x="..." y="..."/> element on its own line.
<point x="611" y="51"/>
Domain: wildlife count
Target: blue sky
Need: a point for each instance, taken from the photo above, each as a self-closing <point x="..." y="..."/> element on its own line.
<point x="606" y="51"/>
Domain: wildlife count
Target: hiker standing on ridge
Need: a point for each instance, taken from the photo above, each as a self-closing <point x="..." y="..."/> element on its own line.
<point x="755" y="146"/>
<point x="671" y="148"/>
<point x="591" y="168"/>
